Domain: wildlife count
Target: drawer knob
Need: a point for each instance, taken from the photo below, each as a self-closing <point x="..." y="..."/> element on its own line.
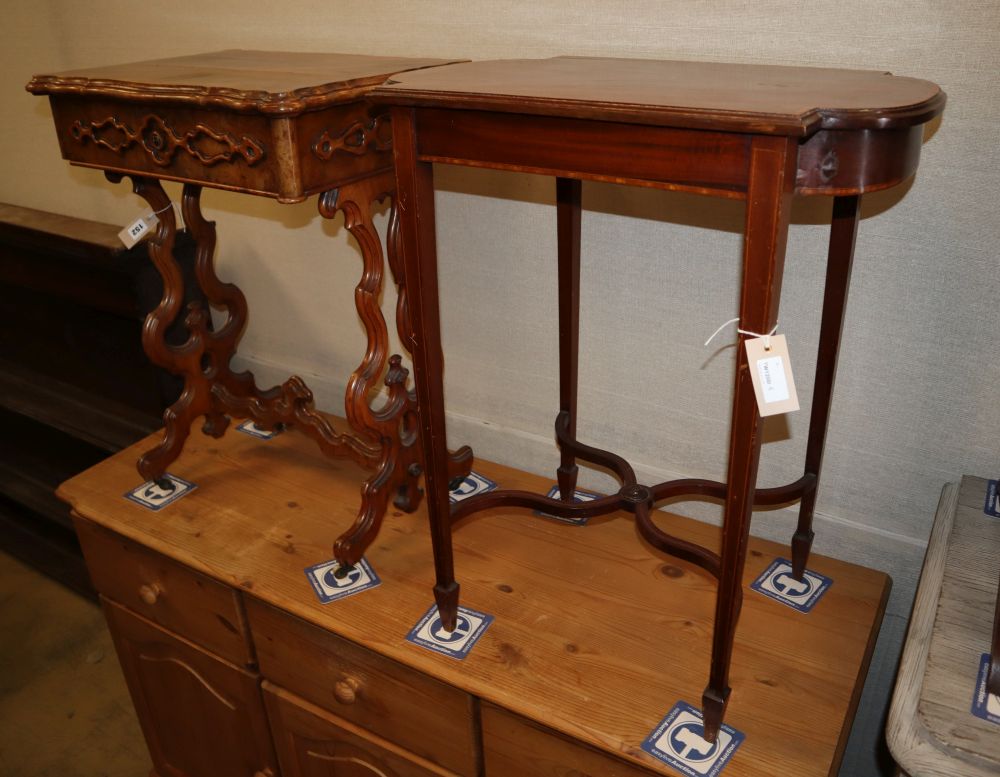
<point x="149" y="593"/>
<point x="268" y="772"/>
<point x="346" y="690"/>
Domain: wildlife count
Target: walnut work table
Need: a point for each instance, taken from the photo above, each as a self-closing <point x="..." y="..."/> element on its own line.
<point x="276" y="124"/>
<point x="231" y="658"/>
<point x="757" y="133"/>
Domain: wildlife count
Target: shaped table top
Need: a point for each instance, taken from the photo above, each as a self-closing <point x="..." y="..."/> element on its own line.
<point x="766" y="99"/>
<point x="270" y="82"/>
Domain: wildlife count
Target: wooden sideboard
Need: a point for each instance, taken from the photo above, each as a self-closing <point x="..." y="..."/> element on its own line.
<point x="236" y="668"/>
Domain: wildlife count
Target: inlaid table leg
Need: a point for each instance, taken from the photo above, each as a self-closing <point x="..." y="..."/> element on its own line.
<point x="415" y="192"/>
<point x="568" y="196"/>
<point x="769" y="200"/>
<point x="844" y="230"/>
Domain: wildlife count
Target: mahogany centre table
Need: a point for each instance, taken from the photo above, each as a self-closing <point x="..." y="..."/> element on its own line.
<point x="278" y="124"/>
<point x="757" y="133"/>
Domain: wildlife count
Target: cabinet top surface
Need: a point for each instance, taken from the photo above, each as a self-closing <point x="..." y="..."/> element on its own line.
<point x="767" y="99"/>
<point x="276" y="82"/>
<point x="596" y="634"/>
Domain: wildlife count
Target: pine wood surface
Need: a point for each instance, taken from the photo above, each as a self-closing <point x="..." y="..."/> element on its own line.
<point x="768" y="99"/>
<point x="596" y="635"/>
<point x="274" y="82"/>
<point x="932" y="732"/>
<point x="310" y="741"/>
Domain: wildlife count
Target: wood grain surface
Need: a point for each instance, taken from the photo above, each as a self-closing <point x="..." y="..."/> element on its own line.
<point x="596" y="635"/>
<point x="932" y="732"/>
<point x="271" y="82"/>
<point x="766" y="99"/>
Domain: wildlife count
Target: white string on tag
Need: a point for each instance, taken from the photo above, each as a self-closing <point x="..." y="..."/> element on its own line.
<point x="767" y="336"/>
<point x="168" y="206"/>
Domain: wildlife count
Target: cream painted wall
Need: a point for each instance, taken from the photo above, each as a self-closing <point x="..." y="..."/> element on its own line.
<point x="915" y="403"/>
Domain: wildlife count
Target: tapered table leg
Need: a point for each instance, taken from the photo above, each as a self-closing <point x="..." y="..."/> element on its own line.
<point x="843" y="231"/>
<point x="568" y="196"/>
<point x="415" y="192"/>
<point x="769" y="199"/>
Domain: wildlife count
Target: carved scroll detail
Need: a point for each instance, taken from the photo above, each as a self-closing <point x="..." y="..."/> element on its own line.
<point x="161" y="142"/>
<point x="394" y="425"/>
<point x="211" y="388"/>
<point x="96" y="130"/>
<point x="358" y="139"/>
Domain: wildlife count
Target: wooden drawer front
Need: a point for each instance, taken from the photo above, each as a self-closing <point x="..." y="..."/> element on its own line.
<point x="513" y="745"/>
<point x="314" y="743"/>
<point x="201" y="716"/>
<point x="186" y="602"/>
<point x="426" y="717"/>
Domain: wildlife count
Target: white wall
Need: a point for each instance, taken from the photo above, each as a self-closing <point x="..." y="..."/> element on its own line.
<point x="914" y="405"/>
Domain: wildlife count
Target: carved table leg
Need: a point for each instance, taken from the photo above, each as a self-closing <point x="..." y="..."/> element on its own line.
<point x="846" y="211"/>
<point x="415" y="183"/>
<point x="568" y="195"/>
<point x="393" y="427"/>
<point x="769" y="199"/>
<point x="211" y="388"/>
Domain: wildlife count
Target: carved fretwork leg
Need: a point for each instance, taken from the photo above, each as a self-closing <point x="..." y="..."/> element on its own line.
<point x="568" y="192"/>
<point x="393" y="428"/>
<point x="769" y="200"/>
<point x="211" y="389"/>
<point x="846" y="211"/>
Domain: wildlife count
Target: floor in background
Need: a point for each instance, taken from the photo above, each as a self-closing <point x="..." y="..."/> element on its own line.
<point x="64" y="708"/>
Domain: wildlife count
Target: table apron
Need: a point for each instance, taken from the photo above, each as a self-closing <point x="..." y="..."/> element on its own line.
<point x="714" y="163"/>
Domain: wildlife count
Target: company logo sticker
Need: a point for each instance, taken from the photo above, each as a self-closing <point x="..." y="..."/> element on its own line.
<point x="430" y="633"/>
<point x="474" y="484"/>
<point x="985" y="705"/>
<point x="578" y="496"/>
<point x="992" y="506"/>
<point x="329" y="586"/>
<point x="778" y="583"/>
<point x="679" y="742"/>
<point x="249" y="427"/>
<point x="154" y="497"/>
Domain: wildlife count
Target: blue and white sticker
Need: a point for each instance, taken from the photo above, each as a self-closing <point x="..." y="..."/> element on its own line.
<point x="329" y="587"/>
<point x="578" y="496"/>
<point x="985" y="705"/>
<point x="679" y="742"/>
<point x="778" y="583"/>
<point x="472" y="485"/>
<point x="251" y="428"/>
<point x="430" y="633"/>
<point x="992" y="506"/>
<point x="153" y="497"/>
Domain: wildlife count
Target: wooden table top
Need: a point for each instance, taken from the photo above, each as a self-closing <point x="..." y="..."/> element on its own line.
<point x="931" y="731"/>
<point x="596" y="634"/>
<point x="764" y="99"/>
<point x="270" y="82"/>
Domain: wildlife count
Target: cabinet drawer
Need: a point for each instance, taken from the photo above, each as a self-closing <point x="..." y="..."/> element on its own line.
<point x="513" y="745"/>
<point x="186" y="602"/>
<point x="202" y="717"/>
<point x="313" y="743"/>
<point x="424" y="716"/>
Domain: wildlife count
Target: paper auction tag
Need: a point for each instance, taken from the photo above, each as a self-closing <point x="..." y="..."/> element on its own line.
<point x="138" y="229"/>
<point x="771" y="373"/>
